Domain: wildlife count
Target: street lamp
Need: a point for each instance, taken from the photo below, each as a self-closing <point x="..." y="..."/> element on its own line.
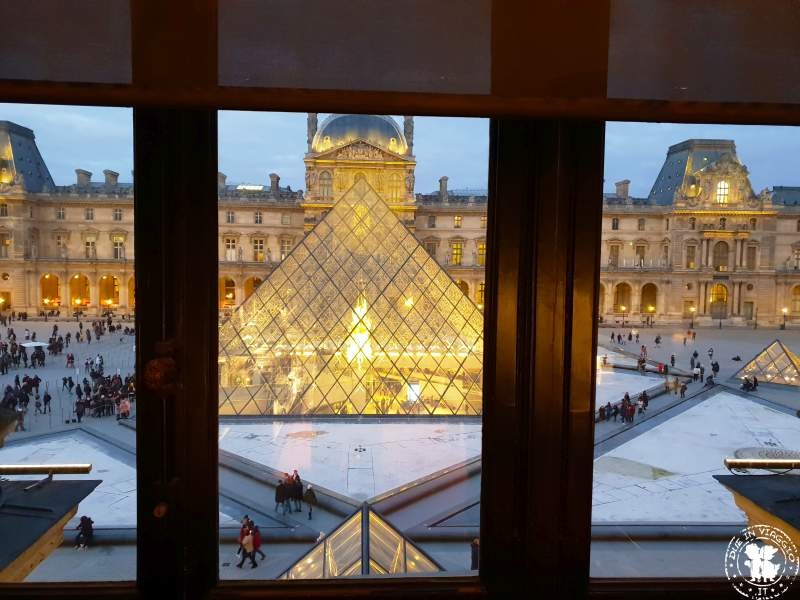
<point x="623" y="309"/>
<point x="784" y="310"/>
<point x="651" y="309"/>
<point x="692" y="310"/>
<point x="755" y="322"/>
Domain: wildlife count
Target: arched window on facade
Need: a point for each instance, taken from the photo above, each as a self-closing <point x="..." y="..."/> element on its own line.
<point x="395" y="187"/>
<point x="723" y="189"/>
<point x="723" y="223"/>
<point x="753" y="223"/>
<point x="640" y="224"/>
<point x="720" y="257"/>
<point x="615" y="223"/>
<point x="692" y="222"/>
<point x="325" y="185"/>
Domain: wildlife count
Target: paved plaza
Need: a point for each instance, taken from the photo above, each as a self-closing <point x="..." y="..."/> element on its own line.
<point x="657" y="470"/>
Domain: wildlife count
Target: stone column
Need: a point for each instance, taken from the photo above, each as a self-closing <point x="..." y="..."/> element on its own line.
<point x="702" y="309"/>
<point x="701" y="260"/>
<point x="661" y="308"/>
<point x="63" y="285"/>
<point x="636" y="298"/>
<point x="94" y="294"/>
<point x="734" y="295"/>
<point x="123" y="291"/>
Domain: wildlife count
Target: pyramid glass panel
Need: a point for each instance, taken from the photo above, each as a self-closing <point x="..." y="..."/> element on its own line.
<point x="343" y="552"/>
<point x="357" y="320"/>
<point x="775" y="364"/>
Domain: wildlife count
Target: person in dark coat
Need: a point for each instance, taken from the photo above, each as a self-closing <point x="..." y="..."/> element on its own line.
<point x="280" y="497"/>
<point x="79" y="410"/>
<point x="475" y="551"/>
<point x="310" y="498"/>
<point x="85" y="533"/>
<point x="297" y="491"/>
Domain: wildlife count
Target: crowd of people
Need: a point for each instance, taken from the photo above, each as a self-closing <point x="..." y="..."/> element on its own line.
<point x="289" y="495"/>
<point x="97" y="394"/>
<point x="626" y="409"/>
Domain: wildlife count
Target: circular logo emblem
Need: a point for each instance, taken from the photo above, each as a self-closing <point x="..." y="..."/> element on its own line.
<point x="761" y="562"/>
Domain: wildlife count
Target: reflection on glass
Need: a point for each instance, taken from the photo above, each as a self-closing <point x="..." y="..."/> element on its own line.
<point x="351" y="345"/>
<point x="697" y="346"/>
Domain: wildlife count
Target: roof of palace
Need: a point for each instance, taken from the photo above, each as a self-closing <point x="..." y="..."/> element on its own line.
<point x="346" y="128"/>
<point x="684" y="159"/>
<point x="20" y="159"/>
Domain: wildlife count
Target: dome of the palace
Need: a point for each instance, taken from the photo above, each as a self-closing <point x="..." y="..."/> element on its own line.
<point x="338" y="130"/>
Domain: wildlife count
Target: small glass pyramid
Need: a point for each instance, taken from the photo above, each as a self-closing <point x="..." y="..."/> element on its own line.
<point x="347" y="551"/>
<point x="358" y="319"/>
<point x="774" y="364"/>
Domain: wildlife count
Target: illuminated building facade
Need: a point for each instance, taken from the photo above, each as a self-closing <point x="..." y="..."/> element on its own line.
<point x="358" y="319"/>
<point x="67" y="247"/>
<point x="702" y="247"/>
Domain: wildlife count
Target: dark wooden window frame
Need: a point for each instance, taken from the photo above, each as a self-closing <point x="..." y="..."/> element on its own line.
<point x="546" y="161"/>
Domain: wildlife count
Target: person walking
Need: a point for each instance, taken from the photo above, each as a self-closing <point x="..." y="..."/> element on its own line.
<point x="672" y="360"/>
<point x="694" y="335"/>
<point x="79" y="410"/>
<point x="247" y="550"/>
<point x="85" y="533"/>
<point x="702" y="372"/>
<point x="710" y="354"/>
<point x="695" y="373"/>
<point x="310" y="498"/>
<point x="257" y="541"/>
<point x="683" y="390"/>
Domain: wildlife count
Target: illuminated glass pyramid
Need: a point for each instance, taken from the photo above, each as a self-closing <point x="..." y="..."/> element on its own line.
<point x="774" y="364"/>
<point x="347" y="552"/>
<point x="358" y="319"/>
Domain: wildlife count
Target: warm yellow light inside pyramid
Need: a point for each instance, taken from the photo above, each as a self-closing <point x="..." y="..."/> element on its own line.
<point x="359" y="348"/>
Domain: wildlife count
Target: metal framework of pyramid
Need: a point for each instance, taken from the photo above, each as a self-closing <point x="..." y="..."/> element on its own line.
<point x="365" y="544"/>
<point x="358" y="319"/>
<point x="774" y="364"/>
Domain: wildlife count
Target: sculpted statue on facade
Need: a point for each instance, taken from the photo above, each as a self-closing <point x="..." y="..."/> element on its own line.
<point x="410" y="182"/>
<point x="359" y="152"/>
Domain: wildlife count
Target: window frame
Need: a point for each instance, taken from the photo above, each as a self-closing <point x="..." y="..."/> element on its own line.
<point x="536" y="542"/>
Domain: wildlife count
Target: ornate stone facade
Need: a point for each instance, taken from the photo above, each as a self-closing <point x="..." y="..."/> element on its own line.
<point x="71" y="247"/>
<point x="703" y="246"/>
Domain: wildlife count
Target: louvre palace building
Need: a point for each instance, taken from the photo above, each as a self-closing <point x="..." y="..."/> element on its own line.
<point x="70" y="247"/>
<point x="703" y="246"/>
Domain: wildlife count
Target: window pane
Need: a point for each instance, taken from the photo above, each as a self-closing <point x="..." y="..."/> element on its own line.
<point x="259" y="45"/>
<point x="651" y="44"/>
<point x="683" y="336"/>
<point x="67" y="304"/>
<point x="352" y="317"/>
<point x="101" y="54"/>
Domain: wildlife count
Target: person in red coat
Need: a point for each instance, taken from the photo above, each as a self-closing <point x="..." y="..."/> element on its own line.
<point x="257" y="541"/>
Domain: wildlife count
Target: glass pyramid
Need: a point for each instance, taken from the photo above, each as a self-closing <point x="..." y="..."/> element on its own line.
<point x="365" y="544"/>
<point x="774" y="364"/>
<point x="358" y="319"/>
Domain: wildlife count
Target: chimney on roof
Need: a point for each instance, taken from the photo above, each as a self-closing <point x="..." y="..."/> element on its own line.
<point x="112" y="178"/>
<point x="221" y="180"/>
<point x="443" y="188"/>
<point x="274" y="187"/>
<point x="83" y="178"/>
<point x="623" y="188"/>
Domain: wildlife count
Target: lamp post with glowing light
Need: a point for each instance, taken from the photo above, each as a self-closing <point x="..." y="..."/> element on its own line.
<point x="692" y="310"/>
<point x="623" y="309"/>
<point x="784" y="310"/>
<point x="651" y="317"/>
